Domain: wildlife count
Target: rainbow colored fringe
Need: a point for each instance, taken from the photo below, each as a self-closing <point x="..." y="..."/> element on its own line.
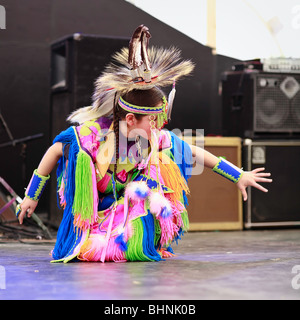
<point x="145" y="238"/>
<point x="138" y="235"/>
<point x="79" y="196"/>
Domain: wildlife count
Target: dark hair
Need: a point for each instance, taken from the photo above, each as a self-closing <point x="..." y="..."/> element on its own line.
<point x="146" y="98"/>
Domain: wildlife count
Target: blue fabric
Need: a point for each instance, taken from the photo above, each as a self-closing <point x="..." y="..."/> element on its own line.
<point x="182" y="155"/>
<point x="67" y="237"/>
<point x="178" y="237"/>
<point x="148" y="238"/>
<point x="151" y="183"/>
<point x="105" y="202"/>
<point x="120" y="240"/>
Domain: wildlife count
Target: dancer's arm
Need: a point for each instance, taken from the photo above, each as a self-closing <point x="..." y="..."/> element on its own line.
<point x="45" y="167"/>
<point x="248" y="178"/>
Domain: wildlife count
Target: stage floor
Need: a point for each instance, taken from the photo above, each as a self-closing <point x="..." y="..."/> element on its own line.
<point x="208" y="265"/>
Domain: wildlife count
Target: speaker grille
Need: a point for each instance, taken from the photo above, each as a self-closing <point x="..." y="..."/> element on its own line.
<point x="280" y="206"/>
<point x="277" y="103"/>
<point x="296" y="109"/>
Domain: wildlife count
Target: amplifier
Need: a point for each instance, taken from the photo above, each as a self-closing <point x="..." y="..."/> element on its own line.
<point x="290" y="65"/>
<point x="281" y="205"/>
<point x="215" y="203"/>
<point x="261" y="105"/>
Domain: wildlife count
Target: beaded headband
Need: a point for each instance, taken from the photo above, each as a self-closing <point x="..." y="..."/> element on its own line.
<point x="160" y="111"/>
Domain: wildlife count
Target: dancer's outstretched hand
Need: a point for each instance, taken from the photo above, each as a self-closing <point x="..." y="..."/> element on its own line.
<point x="251" y="179"/>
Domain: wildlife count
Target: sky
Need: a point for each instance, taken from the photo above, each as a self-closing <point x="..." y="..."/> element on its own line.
<point x="245" y="29"/>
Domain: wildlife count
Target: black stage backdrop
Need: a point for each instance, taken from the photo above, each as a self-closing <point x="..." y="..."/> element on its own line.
<point x="31" y="27"/>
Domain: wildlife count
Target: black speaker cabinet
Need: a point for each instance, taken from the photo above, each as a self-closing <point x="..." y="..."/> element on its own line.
<point x="261" y="105"/>
<point x="76" y="62"/>
<point x="281" y="205"/>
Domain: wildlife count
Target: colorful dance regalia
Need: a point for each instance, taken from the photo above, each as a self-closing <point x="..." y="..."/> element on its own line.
<point x="135" y="217"/>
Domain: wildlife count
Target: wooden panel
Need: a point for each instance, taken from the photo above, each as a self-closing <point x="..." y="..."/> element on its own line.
<point x="215" y="203"/>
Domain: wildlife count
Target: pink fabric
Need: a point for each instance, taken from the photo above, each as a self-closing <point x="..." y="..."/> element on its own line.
<point x="134" y="212"/>
<point x="107" y="237"/>
<point x="103" y="183"/>
<point x="164" y="140"/>
<point x="122" y="175"/>
<point x="100" y="253"/>
<point x="95" y="193"/>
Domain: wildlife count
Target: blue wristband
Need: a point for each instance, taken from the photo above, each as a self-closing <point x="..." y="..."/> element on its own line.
<point x="36" y="186"/>
<point x="18" y="210"/>
<point x="228" y="170"/>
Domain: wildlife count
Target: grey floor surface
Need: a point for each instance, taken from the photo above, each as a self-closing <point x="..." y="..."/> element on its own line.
<point x="235" y="265"/>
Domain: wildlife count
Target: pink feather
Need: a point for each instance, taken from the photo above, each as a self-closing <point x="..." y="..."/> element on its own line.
<point x="158" y="203"/>
<point x="137" y="190"/>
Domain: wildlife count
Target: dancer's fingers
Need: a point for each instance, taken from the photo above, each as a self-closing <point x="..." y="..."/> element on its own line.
<point x="265" y="174"/>
<point x="263" y="180"/>
<point x="259" y="187"/>
<point x="258" y="170"/>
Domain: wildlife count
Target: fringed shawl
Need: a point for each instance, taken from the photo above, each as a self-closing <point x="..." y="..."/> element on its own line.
<point x="77" y="186"/>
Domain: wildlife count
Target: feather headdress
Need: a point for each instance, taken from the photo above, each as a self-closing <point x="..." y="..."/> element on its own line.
<point x="136" y="67"/>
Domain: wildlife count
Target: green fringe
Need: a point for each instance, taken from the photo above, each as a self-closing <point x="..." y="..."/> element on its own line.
<point x="168" y="153"/>
<point x="135" y="243"/>
<point x="157" y="234"/>
<point x="83" y="198"/>
<point x="59" y="180"/>
<point x="185" y="220"/>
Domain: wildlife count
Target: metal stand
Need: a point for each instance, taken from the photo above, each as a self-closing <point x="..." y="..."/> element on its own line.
<point x="14" y="197"/>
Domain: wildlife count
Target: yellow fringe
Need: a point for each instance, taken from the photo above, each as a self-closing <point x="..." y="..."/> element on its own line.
<point x="172" y="177"/>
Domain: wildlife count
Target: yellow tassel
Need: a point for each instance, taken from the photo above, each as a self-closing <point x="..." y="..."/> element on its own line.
<point x="172" y="177"/>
